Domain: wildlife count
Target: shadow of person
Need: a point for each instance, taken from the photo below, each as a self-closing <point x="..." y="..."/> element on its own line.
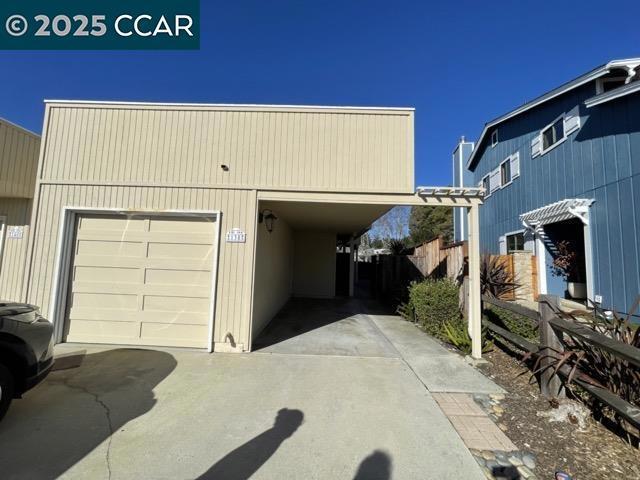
<point x="77" y="408"/>
<point x="245" y="460"/>
<point x="376" y="466"/>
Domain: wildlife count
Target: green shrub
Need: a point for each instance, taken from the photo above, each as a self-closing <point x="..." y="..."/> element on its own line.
<point x="457" y="334"/>
<point x="434" y="303"/>
<point x="513" y="322"/>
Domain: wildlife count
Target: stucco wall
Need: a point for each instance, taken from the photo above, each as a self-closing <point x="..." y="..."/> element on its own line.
<point x="273" y="274"/>
<point x="314" y="267"/>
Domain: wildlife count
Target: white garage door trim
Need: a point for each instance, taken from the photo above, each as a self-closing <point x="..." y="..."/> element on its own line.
<point x="64" y="254"/>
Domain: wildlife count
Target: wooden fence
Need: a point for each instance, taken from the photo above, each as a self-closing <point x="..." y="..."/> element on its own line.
<point x="552" y="327"/>
<point x="434" y="259"/>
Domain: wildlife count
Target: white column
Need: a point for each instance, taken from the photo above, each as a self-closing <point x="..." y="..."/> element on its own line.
<point x="352" y="248"/>
<point x="588" y="258"/>
<point x="474" y="311"/>
<point x="541" y="257"/>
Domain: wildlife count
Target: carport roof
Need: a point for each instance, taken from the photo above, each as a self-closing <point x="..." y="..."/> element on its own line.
<point x="342" y="218"/>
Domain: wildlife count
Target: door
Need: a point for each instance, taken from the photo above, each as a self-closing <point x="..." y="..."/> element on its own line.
<point x="142" y="280"/>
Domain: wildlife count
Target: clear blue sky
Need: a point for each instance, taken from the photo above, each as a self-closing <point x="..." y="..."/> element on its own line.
<point x="459" y="64"/>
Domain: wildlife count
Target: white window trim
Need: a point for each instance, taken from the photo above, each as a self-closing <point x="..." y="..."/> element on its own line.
<point x="508" y="159"/>
<point x="509" y="234"/>
<point x="487" y="192"/>
<point x="564" y="133"/>
<point x="494" y="134"/>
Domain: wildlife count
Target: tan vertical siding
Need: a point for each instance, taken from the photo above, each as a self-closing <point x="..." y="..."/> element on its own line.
<point x="12" y="270"/>
<point x="233" y="299"/>
<point x="273" y="273"/>
<point x="287" y="148"/>
<point x="19" y="151"/>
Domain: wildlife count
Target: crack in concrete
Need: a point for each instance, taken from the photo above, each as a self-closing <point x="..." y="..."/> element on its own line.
<point x="107" y="412"/>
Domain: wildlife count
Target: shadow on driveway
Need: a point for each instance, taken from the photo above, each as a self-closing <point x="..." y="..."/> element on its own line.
<point x="303" y="315"/>
<point x="376" y="466"/>
<point x="244" y="461"/>
<point x="75" y="410"/>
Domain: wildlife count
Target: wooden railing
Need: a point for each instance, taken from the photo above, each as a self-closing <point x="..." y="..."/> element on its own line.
<point x="551" y="329"/>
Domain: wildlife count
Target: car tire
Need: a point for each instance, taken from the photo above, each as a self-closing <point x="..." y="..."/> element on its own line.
<point x="6" y="390"/>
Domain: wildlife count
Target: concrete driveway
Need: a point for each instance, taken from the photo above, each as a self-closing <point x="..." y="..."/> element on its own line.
<point x="296" y="409"/>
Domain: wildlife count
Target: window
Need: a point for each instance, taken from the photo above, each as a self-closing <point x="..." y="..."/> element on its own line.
<point x="553" y="134"/>
<point x="515" y="242"/>
<point x="485" y="185"/>
<point x="494" y="138"/>
<point x="505" y="172"/>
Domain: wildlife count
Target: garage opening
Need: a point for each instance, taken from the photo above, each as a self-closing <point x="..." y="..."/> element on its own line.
<point x="305" y="262"/>
<point x="140" y="279"/>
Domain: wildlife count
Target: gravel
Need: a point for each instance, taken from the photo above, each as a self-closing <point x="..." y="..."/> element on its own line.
<point x="592" y="453"/>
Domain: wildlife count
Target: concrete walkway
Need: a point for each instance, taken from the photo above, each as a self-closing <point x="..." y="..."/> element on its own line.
<point x="361" y="409"/>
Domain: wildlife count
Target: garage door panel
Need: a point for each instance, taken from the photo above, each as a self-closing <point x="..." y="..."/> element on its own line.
<point x="176" y="304"/>
<point x="177" y="292"/>
<point x="110" y="222"/>
<point x="179" y="264"/>
<point x="178" y="335"/>
<point x="142" y="281"/>
<point x="180" y="238"/>
<point x="186" y="225"/>
<point x="186" y="318"/>
<point x="159" y="276"/>
<point x="105" y="300"/>
<point x="135" y="289"/>
<point x="201" y="252"/>
<point x="110" y="248"/>
<point x="107" y="261"/>
<point x="92" y="330"/>
<point x="93" y="273"/>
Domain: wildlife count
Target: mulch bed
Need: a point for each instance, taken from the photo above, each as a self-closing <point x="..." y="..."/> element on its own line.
<point x="593" y="454"/>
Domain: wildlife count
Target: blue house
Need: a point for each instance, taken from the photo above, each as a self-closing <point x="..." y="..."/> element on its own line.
<point x="562" y="179"/>
<point x="461" y="178"/>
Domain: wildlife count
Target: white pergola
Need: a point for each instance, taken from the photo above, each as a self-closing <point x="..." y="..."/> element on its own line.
<point x="566" y="209"/>
<point x="470" y="199"/>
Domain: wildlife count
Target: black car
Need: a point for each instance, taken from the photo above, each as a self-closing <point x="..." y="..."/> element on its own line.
<point x="26" y="350"/>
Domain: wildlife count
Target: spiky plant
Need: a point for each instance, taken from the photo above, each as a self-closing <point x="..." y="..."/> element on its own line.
<point x="495" y="280"/>
<point x="396" y="246"/>
<point x="596" y="365"/>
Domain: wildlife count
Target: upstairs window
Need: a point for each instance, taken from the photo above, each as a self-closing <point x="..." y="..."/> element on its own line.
<point x="485" y="185"/>
<point x="505" y="172"/>
<point x="553" y="134"/>
<point x="515" y="242"/>
<point x="494" y="138"/>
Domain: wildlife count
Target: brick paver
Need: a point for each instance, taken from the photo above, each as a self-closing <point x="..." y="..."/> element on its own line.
<point x="473" y="425"/>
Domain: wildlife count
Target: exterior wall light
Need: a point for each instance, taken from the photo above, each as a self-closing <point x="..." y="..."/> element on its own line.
<point x="268" y="218"/>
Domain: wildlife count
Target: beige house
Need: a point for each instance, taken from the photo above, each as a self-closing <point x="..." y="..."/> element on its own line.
<point x="19" y="150"/>
<point x="191" y="225"/>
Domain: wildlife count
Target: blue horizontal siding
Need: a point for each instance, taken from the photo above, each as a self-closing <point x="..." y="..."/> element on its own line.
<point x="601" y="161"/>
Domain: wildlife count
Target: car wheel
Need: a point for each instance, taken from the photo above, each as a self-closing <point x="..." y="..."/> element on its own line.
<point x="6" y="390"/>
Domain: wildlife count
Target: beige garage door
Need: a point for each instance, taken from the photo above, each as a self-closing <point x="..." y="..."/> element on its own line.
<point x="142" y="280"/>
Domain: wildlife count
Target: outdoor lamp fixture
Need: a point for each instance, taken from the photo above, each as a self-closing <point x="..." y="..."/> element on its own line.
<point x="268" y="218"/>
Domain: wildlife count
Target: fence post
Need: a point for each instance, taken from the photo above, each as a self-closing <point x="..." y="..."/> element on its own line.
<point x="550" y="344"/>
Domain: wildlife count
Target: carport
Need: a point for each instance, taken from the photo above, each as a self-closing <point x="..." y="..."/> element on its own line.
<point x="297" y="236"/>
